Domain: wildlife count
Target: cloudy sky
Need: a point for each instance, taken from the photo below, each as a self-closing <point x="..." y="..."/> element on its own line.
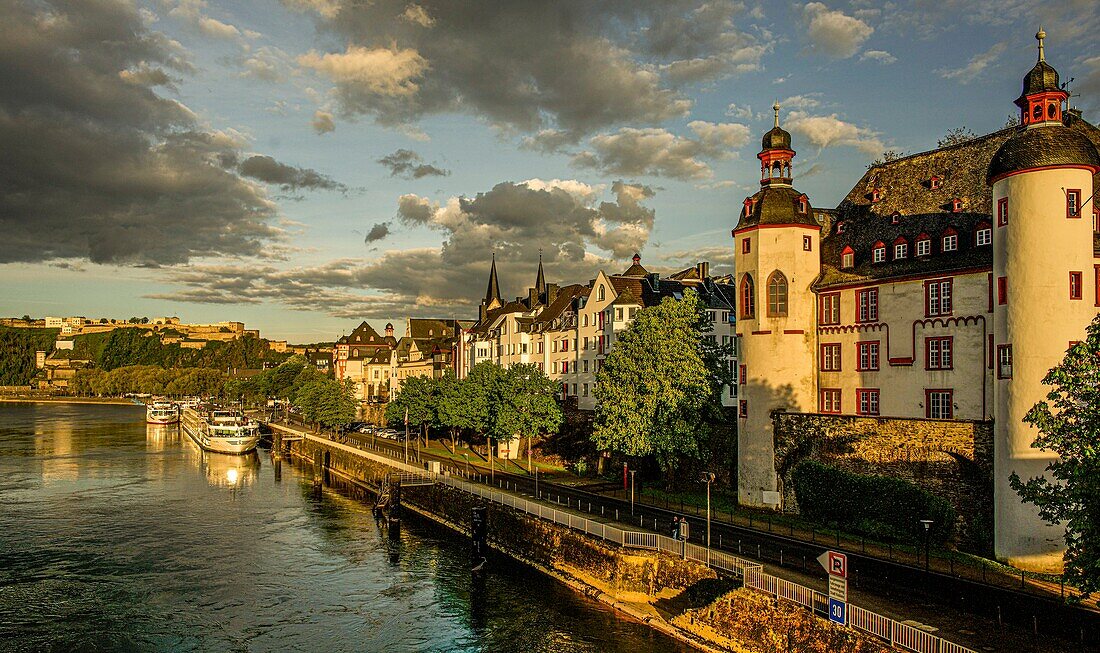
<point x="305" y="164"/>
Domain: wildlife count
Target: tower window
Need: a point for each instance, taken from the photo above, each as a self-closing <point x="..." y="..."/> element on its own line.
<point x="1037" y="112"/>
<point x="1073" y="203"/>
<point x="1075" y="281"/>
<point x="1052" y="112"/>
<point x="748" y="298"/>
<point x="807" y="244"/>
<point x="803" y="205"/>
<point x="1002" y="290"/>
<point x="746" y="246"/>
<point x="777" y="295"/>
<point x="1004" y="361"/>
<point x="1002" y="212"/>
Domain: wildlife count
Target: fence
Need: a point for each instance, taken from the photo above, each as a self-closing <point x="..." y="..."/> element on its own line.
<point x="887" y="629"/>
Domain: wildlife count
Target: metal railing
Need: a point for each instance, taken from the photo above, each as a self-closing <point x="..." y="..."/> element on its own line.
<point x="889" y="630"/>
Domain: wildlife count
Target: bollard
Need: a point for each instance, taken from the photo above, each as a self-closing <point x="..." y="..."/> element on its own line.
<point x="738" y="547"/>
<point x="616" y="514"/>
<point x="780" y="557"/>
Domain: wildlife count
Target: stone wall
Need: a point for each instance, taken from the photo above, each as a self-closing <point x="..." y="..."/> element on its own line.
<point x="949" y="458"/>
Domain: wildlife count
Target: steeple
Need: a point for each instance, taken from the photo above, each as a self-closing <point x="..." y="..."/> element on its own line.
<point x="1041" y="100"/>
<point x="540" y="281"/>
<point x="492" y="293"/>
<point x="775" y="154"/>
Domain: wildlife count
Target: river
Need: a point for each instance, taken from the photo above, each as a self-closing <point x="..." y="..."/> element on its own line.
<point x="115" y="536"/>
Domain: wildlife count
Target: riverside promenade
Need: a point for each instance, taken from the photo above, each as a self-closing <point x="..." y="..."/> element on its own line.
<point x="597" y="522"/>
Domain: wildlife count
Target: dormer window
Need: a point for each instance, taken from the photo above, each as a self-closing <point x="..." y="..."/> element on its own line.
<point x="803" y="204"/>
<point x="895" y="218"/>
<point x="935" y="182"/>
<point x="878" y="253"/>
<point x="840" y="227"/>
<point x="956" y="205"/>
<point x="901" y="248"/>
<point x="950" y="240"/>
<point x="983" y="234"/>
<point x="876" y="194"/>
<point x="748" y="206"/>
<point x="848" y="258"/>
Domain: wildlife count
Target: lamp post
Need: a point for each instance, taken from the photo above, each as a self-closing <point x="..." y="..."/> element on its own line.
<point x="708" y="478"/>
<point x="927" y="523"/>
<point x="632" y="491"/>
<point x="467" y="463"/>
<point x="536" y="482"/>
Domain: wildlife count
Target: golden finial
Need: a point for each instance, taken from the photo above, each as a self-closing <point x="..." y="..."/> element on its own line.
<point x="1040" y="35"/>
<point x="775" y="108"/>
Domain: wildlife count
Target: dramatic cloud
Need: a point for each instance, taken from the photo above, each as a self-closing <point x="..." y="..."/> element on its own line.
<point x="266" y="63"/>
<point x="191" y="12"/>
<point x="378" y="232"/>
<point x="322" y="122"/>
<point x="829" y="131"/>
<point x="977" y="64"/>
<point x="409" y="165"/>
<point x="98" y="166"/>
<point x="659" y="152"/>
<point x="833" y="32"/>
<point x="289" y="178"/>
<point x="575" y="66"/>
<point x="565" y="219"/>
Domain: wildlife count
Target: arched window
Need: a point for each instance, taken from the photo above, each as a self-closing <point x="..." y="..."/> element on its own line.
<point x="777" y="295"/>
<point x="748" y="297"/>
<point x="1037" y="112"/>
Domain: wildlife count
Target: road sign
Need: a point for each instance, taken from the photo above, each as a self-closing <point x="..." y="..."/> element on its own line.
<point x="838" y="589"/>
<point x="838" y="611"/>
<point x="834" y="563"/>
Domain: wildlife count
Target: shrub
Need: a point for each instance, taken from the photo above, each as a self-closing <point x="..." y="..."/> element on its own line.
<point x="876" y="506"/>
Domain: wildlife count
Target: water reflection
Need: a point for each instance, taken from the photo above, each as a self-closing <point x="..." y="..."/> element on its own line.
<point x="223" y="470"/>
<point x="159" y="437"/>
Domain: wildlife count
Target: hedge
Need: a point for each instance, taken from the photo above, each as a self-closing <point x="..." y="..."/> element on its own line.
<point x="876" y="506"/>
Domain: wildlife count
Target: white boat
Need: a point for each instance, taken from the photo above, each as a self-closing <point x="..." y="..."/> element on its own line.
<point x="219" y="430"/>
<point x="161" y="412"/>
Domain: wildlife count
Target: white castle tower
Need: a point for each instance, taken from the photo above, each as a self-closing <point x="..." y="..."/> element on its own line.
<point x="1045" y="294"/>
<point x="776" y="258"/>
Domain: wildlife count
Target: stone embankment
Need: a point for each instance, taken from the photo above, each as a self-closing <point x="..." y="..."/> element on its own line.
<point x="681" y="598"/>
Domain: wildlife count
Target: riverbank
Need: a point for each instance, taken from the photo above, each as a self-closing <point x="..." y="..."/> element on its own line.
<point x="105" y="401"/>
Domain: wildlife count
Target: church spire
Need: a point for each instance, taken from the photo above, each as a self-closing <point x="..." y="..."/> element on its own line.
<point x="540" y="281"/>
<point x="492" y="293"/>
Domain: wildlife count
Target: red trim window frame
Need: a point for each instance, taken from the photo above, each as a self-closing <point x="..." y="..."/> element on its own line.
<point x="983" y="228"/>
<point x="742" y="374"/>
<point x="807" y="243"/>
<point x="830" y="357"/>
<point x="937" y="297"/>
<point x="1002" y="212"/>
<point x="939" y="353"/>
<point x="867" y="305"/>
<point x="878" y="252"/>
<point x="1002" y="291"/>
<point x="743" y="408"/>
<point x="1076" y="283"/>
<point x="1004" y="361"/>
<point x="1073" y="203"/>
<point x="954" y="235"/>
<point x="848" y="258"/>
<point x="1096" y="269"/>
<point x="923" y="246"/>
<point x="746" y="246"/>
<point x="867" y="401"/>
<point x="989" y="290"/>
<point x="945" y="398"/>
<point x="867" y="356"/>
<point x="829" y="312"/>
<point x="829" y="401"/>
<point x="1096" y="220"/>
<point x="747" y="295"/>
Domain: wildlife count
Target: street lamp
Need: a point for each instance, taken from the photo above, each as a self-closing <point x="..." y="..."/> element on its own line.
<point x="467" y="464"/>
<point x="927" y="523"/>
<point x="708" y="478"/>
<point x="632" y="491"/>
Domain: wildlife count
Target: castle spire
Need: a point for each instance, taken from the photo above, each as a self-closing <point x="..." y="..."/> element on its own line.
<point x="493" y="291"/>
<point x="775" y="108"/>
<point x="1039" y="36"/>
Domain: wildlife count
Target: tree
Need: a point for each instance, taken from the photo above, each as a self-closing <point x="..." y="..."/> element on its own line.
<point x="656" y="394"/>
<point x="1069" y="425"/>
<point x="956" y="136"/>
<point x="481" y="391"/>
<point x="528" y="406"/>
<point x="887" y="157"/>
<point x="453" y="410"/>
<point x="416" y="398"/>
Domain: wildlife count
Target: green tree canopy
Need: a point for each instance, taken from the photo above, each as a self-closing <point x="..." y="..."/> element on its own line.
<point x="659" y="388"/>
<point x="528" y="405"/>
<point x="1069" y="425"/>
<point x="416" y="396"/>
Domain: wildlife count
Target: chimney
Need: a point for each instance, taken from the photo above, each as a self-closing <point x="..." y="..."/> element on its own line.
<point x="532" y="297"/>
<point x="482" y="313"/>
<point x="704" y="269"/>
<point x="551" y="293"/>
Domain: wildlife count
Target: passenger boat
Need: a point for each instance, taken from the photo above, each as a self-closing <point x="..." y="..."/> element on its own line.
<point x="161" y="412"/>
<point x="220" y="430"/>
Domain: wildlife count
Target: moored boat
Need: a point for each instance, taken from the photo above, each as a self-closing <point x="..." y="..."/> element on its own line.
<point x="161" y="412"/>
<point x="220" y="430"/>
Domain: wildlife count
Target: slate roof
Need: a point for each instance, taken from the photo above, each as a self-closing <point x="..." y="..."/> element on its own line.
<point x="775" y="204"/>
<point x="1043" y="146"/>
<point x="421" y="328"/>
<point x="563" y="301"/>
<point x="776" y="139"/>
<point x="906" y="190"/>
